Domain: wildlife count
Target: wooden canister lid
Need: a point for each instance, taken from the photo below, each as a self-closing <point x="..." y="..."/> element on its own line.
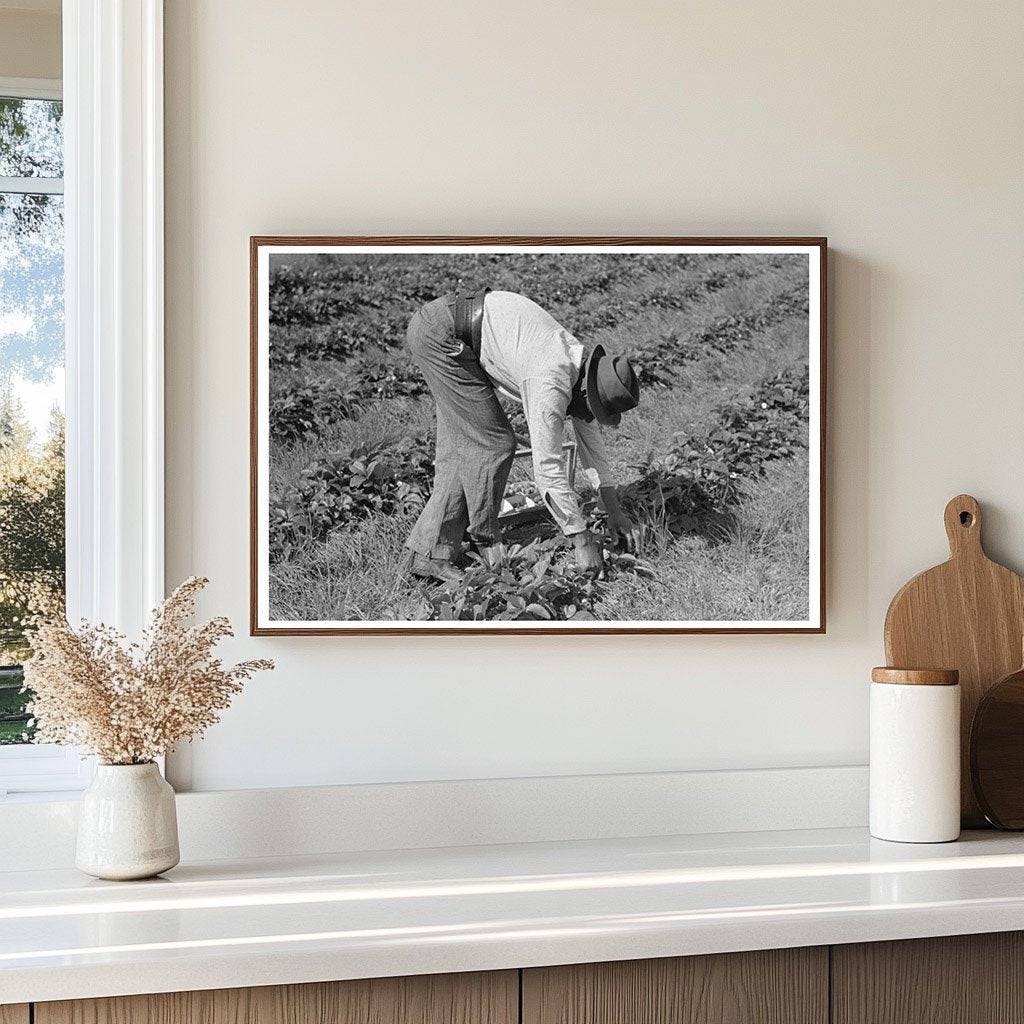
<point x="916" y="676"/>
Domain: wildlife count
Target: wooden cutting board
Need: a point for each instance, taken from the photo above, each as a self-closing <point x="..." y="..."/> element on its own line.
<point x="967" y="614"/>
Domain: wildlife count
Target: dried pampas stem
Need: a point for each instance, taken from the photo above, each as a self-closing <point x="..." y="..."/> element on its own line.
<point x="129" y="703"/>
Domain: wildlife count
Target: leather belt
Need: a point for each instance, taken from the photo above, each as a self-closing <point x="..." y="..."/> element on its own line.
<point x="468" y="313"/>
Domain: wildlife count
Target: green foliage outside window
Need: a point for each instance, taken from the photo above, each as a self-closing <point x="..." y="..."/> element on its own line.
<point x="31" y="357"/>
<point x="31" y="549"/>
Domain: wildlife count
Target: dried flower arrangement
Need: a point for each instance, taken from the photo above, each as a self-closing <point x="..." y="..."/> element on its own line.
<point x="129" y="703"/>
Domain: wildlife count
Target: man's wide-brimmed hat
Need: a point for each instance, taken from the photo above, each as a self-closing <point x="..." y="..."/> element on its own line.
<point x="612" y="387"/>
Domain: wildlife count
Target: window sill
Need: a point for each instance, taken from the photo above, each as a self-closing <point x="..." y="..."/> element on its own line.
<point x="33" y="772"/>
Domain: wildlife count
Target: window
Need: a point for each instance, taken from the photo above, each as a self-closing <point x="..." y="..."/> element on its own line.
<point x="102" y="191"/>
<point x="32" y="513"/>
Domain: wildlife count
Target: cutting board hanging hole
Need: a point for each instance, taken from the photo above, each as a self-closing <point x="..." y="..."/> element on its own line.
<point x="963" y="525"/>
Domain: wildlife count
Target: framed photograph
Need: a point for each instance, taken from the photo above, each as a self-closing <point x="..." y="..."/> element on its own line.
<point x="537" y="435"/>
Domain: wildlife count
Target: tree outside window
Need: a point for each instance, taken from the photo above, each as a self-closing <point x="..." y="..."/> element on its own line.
<point x="31" y="387"/>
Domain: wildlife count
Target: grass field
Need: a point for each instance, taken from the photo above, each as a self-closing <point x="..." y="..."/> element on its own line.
<point x="714" y="462"/>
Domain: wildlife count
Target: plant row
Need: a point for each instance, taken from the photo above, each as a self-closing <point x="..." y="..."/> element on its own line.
<point x="658" y="364"/>
<point x="341" y="488"/>
<point x="337" y="309"/>
<point x="302" y="407"/>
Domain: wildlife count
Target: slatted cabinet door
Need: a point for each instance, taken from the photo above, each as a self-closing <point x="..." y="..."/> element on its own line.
<point x="961" y="979"/>
<point x="14" y="1013"/>
<point x="490" y="998"/>
<point x="776" y="986"/>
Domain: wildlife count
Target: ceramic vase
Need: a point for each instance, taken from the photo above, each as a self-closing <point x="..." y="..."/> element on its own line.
<point x="127" y="825"/>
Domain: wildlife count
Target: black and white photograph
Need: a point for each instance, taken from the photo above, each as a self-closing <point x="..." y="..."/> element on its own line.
<point x="537" y="435"/>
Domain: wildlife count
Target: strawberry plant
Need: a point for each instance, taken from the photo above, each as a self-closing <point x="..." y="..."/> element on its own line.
<point x="340" y="488"/>
<point x="698" y="480"/>
<point x="303" y="409"/>
<point x="539" y="581"/>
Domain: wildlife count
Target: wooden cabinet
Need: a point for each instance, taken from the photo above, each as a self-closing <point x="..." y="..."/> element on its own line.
<point x="491" y="998"/>
<point x="963" y="979"/>
<point x="777" y="986"/>
<point x="970" y="979"/>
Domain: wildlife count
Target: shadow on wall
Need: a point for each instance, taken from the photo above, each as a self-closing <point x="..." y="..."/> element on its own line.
<point x="854" y="288"/>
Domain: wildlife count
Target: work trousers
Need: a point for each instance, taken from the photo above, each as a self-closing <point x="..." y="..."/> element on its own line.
<point x="475" y="443"/>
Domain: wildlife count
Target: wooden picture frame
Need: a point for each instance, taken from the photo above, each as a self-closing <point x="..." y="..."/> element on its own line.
<point x="261" y="248"/>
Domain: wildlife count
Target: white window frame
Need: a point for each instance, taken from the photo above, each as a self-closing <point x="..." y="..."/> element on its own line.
<point x="114" y="324"/>
<point x="32" y="88"/>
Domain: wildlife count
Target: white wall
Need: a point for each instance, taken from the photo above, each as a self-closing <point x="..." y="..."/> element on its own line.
<point x="895" y="129"/>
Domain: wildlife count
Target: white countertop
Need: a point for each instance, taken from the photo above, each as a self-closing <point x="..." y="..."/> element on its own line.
<point x="262" y="922"/>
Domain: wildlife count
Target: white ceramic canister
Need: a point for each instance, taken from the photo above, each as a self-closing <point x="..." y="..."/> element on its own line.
<point x="127" y="825"/>
<point x="915" y="755"/>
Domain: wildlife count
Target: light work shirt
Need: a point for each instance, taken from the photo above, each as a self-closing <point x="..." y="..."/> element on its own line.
<point x="530" y="357"/>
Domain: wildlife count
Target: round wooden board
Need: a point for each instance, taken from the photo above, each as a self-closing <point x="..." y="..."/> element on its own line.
<point x="997" y="752"/>
<point x="967" y="614"/>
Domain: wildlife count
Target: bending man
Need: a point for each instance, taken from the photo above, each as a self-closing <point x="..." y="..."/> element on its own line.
<point x="468" y="348"/>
